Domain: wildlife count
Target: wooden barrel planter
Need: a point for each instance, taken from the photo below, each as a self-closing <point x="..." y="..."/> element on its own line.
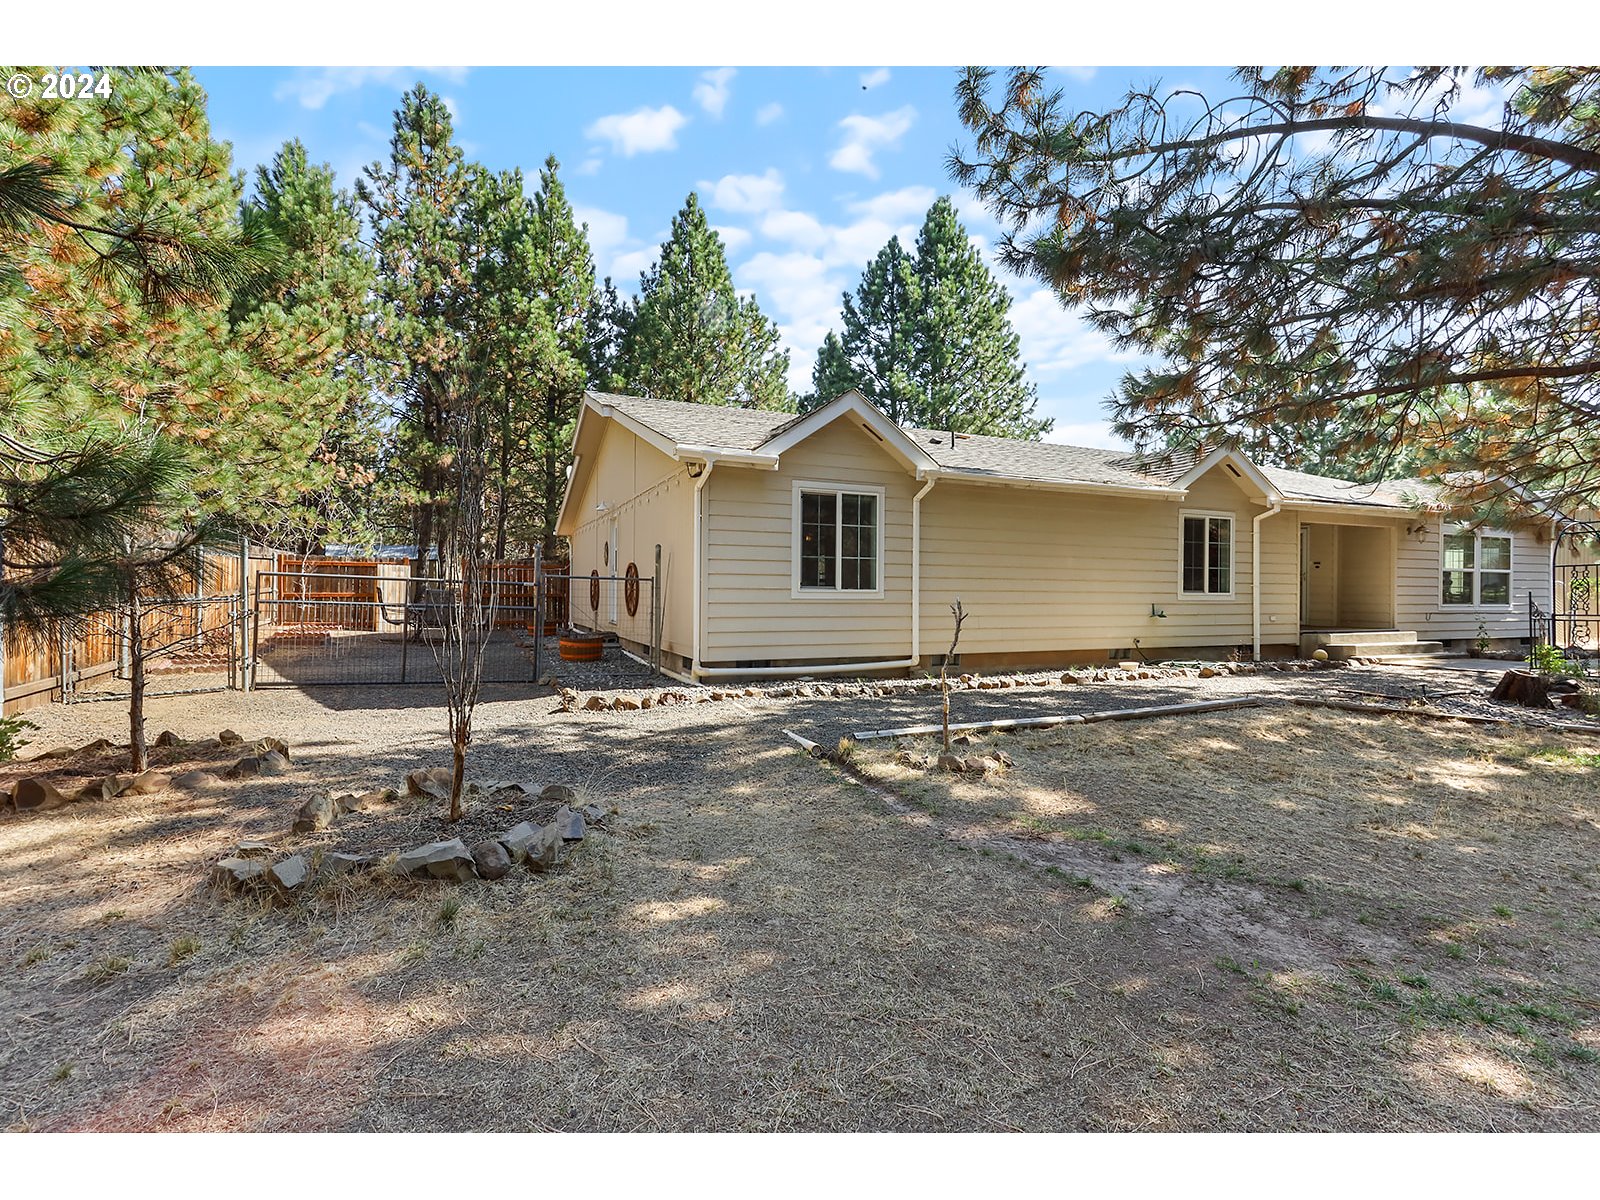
<point x="550" y="628"/>
<point x="581" y="647"/>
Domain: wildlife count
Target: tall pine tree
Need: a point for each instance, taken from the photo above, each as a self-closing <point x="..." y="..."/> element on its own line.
<point x="423" y="296"/>
<point x="692" y="337"/>
<point x="928" y="339"/>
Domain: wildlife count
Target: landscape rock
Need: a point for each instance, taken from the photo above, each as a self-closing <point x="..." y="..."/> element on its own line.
<point x="546" y="849"/>
<point x="167" y="738"/>
<point x="270" y="763"/>
<point x="347" y="802"/>
<point x="491" y="860"/>
<point x="196" y="781"/>
<point x="594" y="704"/>
<point x="431" y="782"/>
<point x="439" y="860"/>
<point x="1069" y="677"/>
<point x="316" y="814"/>
<point x="238" y="874"/>
<point x="975" y="765"/>
<point x="1207" y="672"/>
<point x="625" y="704"/>
<point x="907" y="758"/>
<point x="593" y="814"/>
<point x="275" y="745"/>
<point x="336" y="862"/>
<point x="288" y="875"/>
<point x="229" y="738"/>
<point x="36" y="795"/>
<point x="519" y="839"/>
<point x="949" y="762"/>
<point x="558" y="793"/>
<point x="252" y="849"/>
<point x="568" y="823"/>
<point x="108" y="788"/>
<point x="148" y="783"/>
<point x="55" y="752"/>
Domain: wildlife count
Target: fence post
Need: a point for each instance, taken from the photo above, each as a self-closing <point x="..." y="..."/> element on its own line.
<point x="538" y="609"/>
<point x="246" y="667"/>
<point x="656" y="615"/>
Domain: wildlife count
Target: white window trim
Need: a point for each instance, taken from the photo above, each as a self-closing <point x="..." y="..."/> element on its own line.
<point x="837" y="489"/>
<point x="1510" y="570"/>
<point x="1233" y="555"/>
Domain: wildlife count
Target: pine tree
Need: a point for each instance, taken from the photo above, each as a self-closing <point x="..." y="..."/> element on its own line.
<point x="300" y="468"/>
<point x="693" y="338"/>
<point x="608" y="322"/>
<point x="564" y="284"/>
<point x="878" y="354"/>
<point x="423" y="296"/>
<point x="927" y="339"/>
<point x="967" y="355"/>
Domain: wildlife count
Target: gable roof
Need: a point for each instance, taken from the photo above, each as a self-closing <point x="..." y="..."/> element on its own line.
<point x="693" y="429"/>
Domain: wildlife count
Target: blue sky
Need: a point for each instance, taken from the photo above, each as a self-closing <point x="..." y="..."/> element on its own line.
<point x="806" y="172"/>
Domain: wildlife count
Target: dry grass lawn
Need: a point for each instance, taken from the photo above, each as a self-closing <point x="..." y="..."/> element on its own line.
<point x="1259" y="920"/>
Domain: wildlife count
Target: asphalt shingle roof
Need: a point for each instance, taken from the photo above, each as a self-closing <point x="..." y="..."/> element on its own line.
<point x="1010" y="458"/>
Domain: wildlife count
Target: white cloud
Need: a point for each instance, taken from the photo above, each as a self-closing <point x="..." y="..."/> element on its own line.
<point x="802" y="293"/>
<point x="1081" y="74"/>
<point x="1055" y="341"/>
<point x="589" y="166"/>
<point x="872" y="79"/>
<point x="745" y="193"/>
<point x="711" y="93"/>
<point x="797" y="228"/>
<point x="1095" y="434"/>
<point x="864" y="136"/>
<point x="768" y="113"/>
<point x="733" y="237"/>
<point x="899" y="205"/>
<point x="315" y="87"/>
<point x="640" y="132"/>
<point x="625" y="268"/>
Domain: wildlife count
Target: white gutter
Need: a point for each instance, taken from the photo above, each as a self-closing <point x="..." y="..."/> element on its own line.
<point x="1058" y="485"/>
<point x="699" y="566"/>
<point x="737" y="458"/>
<point x="916" y="569"/>
<point x="1255" y="575"/>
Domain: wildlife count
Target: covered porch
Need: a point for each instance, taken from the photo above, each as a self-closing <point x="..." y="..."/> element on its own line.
<point x="1347" y="592"/>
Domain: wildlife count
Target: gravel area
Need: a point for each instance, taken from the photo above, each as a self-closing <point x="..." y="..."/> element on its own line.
<point x="757" y="943"/>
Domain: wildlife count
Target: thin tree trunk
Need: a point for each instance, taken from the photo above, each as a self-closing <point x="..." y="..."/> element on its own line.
<point x="138" y="752"/>
<point x="457" y="778"/>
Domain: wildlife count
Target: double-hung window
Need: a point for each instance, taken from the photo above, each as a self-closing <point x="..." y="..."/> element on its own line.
<point x="1476" y="569"/>
<point x="838" y="539"/>
<point x="1207" y="554"/>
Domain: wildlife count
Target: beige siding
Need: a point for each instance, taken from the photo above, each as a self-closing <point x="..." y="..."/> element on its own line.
<point x="1366" y="577"/>
<point x="651" y="499"/>
<point x="1419" y="586"/>
<point x="751" y="613"/>
<point x="1054" y="571"/>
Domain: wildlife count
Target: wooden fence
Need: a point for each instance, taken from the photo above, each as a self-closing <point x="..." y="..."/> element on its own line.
<point x="35" y="671"/>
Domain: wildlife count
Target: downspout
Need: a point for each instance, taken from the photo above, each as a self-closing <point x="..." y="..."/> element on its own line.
<point x="916" y="571"/>
<point x="1255" y="576"/>
<point x="699" y="567"/>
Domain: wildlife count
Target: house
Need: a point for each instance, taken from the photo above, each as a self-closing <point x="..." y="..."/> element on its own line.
<point x="835" y="542"/>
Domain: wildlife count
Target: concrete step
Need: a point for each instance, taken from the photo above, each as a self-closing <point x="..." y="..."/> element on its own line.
<point x="1386" y="651"/>
<point x="1365" y="637"/>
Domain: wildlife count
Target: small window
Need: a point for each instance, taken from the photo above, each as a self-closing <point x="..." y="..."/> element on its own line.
<point x="1476" y="569"/>
<point x="1208" y="555"/>
<point x="839" y="541"/>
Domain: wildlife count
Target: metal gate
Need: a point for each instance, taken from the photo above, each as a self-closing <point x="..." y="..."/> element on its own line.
<point x="190" y="644"/>
<point x="308" y="629"/>
<point x="1572" y="626"/>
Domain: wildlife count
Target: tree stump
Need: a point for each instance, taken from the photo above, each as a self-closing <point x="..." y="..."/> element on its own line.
<point x="1526" y="688"/>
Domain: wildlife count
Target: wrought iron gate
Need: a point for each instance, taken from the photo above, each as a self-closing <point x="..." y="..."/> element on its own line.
<point x="1572" y="626"/>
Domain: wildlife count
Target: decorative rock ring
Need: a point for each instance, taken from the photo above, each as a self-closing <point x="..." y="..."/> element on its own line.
<point x="630" y="590"/>
<point x="594" y="590"/>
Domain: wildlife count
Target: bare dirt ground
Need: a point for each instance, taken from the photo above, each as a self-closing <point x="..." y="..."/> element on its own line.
<point x="760" y="942"/>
